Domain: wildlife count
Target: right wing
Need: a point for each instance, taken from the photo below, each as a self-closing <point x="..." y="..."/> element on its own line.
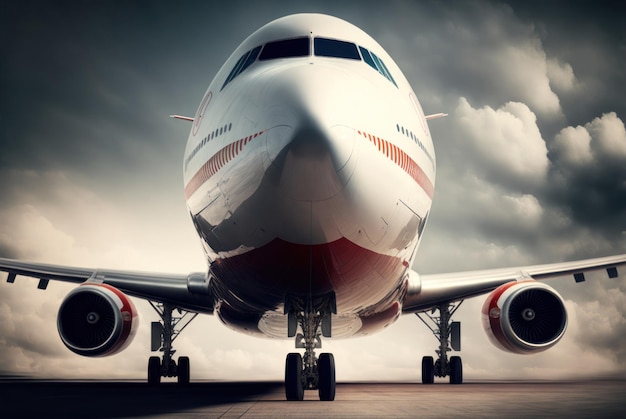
<point x="427" y="291"/>
<point x="191" y="292"/>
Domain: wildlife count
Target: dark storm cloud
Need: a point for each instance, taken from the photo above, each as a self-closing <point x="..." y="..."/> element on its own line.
<point x="472" y="49"/>
<point x="75" y="92"/>
<point x="589" y="173"/>
<point x="591" y="38"/>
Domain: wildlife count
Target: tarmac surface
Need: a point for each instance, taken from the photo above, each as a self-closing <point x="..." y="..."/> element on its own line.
<point x="126" y="399"/>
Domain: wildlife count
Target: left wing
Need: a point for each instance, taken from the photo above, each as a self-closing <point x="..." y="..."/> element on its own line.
<point x="191" y="292"/>
<point x="427" y="291"/>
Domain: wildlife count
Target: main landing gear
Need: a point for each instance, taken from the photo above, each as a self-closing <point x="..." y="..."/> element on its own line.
<point x="163" y="334"/>
<point x="309" y="372"/>
<point x="448" y="333"/>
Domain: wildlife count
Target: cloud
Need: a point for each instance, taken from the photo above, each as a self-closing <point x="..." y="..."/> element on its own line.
<point x="588" y="173"/>
<point x="572" y="147"/>
<point x="527" y="70"/>
<point x="50" y="216"/>
<point x="484" y="52"/>
<point x="599" y="142"/>
<point x="610" y="137"/>
<point x="504" y="144"/>
<point x="561" y="75"/>
<point x="602" y="326"/>
<point x="22" y="226"/>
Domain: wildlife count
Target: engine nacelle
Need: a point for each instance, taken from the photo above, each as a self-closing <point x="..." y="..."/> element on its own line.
<point x="524" y="317"/>
<point x="97" y="320"/>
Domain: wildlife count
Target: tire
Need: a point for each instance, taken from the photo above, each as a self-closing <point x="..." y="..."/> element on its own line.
<point x="428" y="370"/>
<point x="183" y="370"/>
<point x="326" y="370"/>
<point x="294" y="389"/>
<point x="456" y="370"/>
<point x="154" y="370"/>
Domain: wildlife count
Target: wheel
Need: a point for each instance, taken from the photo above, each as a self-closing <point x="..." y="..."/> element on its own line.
<point x="456" y="370"/>
<point x="183" y="370"/>
<point x="294" y="389"/>
<point x="326" y="370"/>
<point x="154" y="370"/>
<point x="428" y="370"/>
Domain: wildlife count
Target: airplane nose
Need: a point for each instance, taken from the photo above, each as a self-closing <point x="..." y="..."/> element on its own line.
<point x="313" y="148"/>
<point x="313" y="165"/>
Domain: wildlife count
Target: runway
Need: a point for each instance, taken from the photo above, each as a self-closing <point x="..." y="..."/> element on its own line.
<point x="98" y="399"/>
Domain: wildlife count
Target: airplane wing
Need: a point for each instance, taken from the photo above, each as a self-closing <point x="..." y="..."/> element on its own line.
<point x="191" y="292"/>
<point x="427" y="291"/>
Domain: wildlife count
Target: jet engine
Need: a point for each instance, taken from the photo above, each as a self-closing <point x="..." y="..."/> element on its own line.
<point x="97" y="320"/>
<point x="524" y="317"/>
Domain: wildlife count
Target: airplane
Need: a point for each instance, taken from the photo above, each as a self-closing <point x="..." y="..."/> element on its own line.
<point x="309" y="174"/>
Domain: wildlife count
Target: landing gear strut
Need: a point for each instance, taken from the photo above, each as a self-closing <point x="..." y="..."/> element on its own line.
<point x="163" y="335"/>
<point x="309" y="372"/>
<point x="448" y="333"/>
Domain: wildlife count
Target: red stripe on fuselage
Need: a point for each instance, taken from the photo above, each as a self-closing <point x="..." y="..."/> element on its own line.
<point x="404" y="161"/>
<point x="216" y="162"/>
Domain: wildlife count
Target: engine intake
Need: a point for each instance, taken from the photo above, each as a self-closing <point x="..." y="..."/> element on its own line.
<point x="97" y="320"/>
<point x="524" y="317"/>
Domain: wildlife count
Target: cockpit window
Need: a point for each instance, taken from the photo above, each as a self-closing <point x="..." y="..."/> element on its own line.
<point x="244" y="62"/>
<point x="383" y="67"/>
<point x="301" y="47"/>
<point x="251" y="58"/>
<point x="368" y="58"/>
<point x="376" y="63"/>
<point x="287" y="48"/>
<point x="333" y="48"/>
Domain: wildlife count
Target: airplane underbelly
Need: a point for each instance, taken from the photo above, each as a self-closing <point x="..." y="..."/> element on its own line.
<point x="256" y="284"/>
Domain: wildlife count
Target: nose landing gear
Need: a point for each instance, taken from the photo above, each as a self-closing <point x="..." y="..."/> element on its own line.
<point x="309" y="372"/>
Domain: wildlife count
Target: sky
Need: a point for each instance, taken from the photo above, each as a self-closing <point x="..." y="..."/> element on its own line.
<point x="531" y="168"/>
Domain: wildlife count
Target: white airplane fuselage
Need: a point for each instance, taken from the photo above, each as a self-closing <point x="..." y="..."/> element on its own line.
<point x="309" y="175"/>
